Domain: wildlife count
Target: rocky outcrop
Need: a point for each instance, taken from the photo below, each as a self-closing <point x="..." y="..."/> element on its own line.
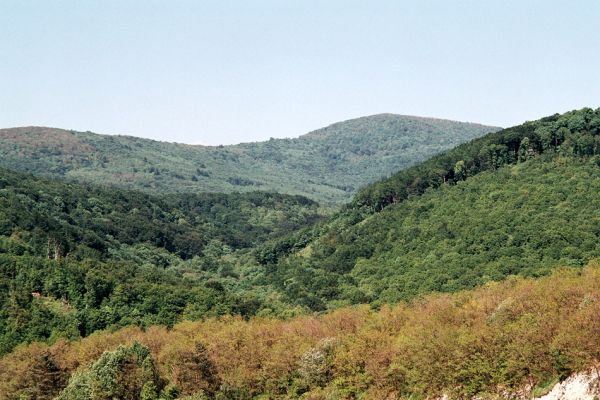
<point x="582" y="386"/>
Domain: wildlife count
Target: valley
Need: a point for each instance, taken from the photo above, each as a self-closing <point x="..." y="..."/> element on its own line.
<point x="471" y="273"/>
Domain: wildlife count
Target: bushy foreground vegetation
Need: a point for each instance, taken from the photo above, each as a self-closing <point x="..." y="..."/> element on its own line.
<point x="516" y="336"/>
<point x="327" y="165"/>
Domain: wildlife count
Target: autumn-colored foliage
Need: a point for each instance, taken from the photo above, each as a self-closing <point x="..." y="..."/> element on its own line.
<point x="501" y="337"/>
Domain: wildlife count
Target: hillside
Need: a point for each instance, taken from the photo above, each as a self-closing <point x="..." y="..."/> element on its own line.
<point x="120" y="257"/>
<point x="328" y="165"/>
<point x="235" y="277"/>
<point x="514" y="339"/>
<point x="41" y="216"/>
<point x="519" y="201"/>
<point x="77" y="258"/>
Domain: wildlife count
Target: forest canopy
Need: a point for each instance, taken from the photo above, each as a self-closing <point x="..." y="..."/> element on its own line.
<point x="111" y="291"/>
<point x="516" y="337"/>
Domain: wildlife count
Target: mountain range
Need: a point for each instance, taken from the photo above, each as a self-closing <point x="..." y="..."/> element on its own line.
<point x="462" y="265"/>
<point x="328" y="165"/>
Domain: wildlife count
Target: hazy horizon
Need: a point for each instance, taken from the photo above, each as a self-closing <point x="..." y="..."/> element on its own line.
<point x="229" y="72"/>
<point x="249" y="141"/>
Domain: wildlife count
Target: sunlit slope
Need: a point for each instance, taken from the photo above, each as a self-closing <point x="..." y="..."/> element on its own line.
<point x="519" y="201"/>
<point x="327" y="165"/>
<point x="505" y="340"/>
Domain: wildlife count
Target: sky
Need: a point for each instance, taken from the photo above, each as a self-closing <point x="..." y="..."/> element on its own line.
<point x="223" y="72"/>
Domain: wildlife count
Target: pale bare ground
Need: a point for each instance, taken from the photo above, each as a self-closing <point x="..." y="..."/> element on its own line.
<point x="582" y="386"/>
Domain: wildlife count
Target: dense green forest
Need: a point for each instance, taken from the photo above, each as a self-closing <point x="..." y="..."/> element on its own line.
<point x="518" y="201"/>
<point x="327" y="165"/>
<point x="39" y="217"/>
<point x="77" y="258"/>
<point x="520" y="219"/>
<point x="573" y="133"/>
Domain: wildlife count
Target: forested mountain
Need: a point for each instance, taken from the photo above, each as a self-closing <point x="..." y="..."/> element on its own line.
<point x="40" y="217"/>
<point x="76" y="259"/>
<point x="327" y="165"/>
<point x="518" y="201"/>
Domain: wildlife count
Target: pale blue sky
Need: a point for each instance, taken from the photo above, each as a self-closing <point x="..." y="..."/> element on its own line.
<point x="228" y="71"/>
